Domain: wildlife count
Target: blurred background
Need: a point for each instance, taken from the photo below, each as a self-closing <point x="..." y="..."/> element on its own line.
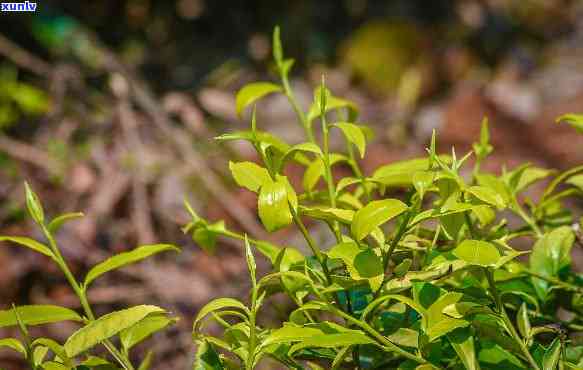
<point x="109" y="107"/>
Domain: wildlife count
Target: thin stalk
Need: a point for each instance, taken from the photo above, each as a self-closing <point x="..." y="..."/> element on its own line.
<point x="296" y="107"/>
<point x="252" y="329"/>
<point x="357" y="171"/>
<point x="387" y="256"/>
<point x="502" y="312"/>
<point x="378" y="336"/>
<point x="432" y="245"/>
<point x="562" y="284"/>
<point x="518" y="209"/>
<point x="82" y="296"/>
<point x="312" y="244"/>
<point x="328" y="174"/>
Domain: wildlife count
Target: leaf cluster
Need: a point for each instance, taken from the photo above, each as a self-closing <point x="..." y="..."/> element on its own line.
<point x="423" y="273"/>
<point x="117" y="332"/>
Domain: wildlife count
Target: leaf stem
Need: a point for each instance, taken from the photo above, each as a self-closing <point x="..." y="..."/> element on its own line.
<point x="328" y="173"/>
<point x="312" y="244"/>
<point x="378" y="336"/>
<point x="296" y="107"/>
<point x="82" y="296"/>
<point x="502" y="312"/>
<point x="387" y="256"/>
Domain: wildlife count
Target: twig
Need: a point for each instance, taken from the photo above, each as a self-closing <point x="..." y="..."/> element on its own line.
<point x="23" y="58"/>
<point x="28" y="153"/>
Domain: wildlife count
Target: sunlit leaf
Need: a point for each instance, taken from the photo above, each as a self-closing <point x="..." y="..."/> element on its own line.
<point x="375" y="214"/>
<point x="249" y="175"/>
<point x="487" y="195"/>
<point x="477" y="252"/>
<point x="273" y="206"/>
<point x="126" y="258"/>
<point x="215" y="305"/>
<point x="253" y="92"/>
<point x="362" y="263"/>
<point x="13" y="344"/>
<point x="38" y="315"/>
<point x="57" y="222"/>
<point x="575" y="120"/>
<point x="28" y="243"/>
<point x="143" y="329"/>
<point x="105" y="327"/>
<point x="354" y="135"/>
<point x="33" y="205"/>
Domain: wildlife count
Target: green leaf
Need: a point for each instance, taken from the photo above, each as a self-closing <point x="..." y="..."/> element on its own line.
<point x="33" y="205"/>
<point x="362" y="263"/>
<point x="496" y="184"/>
<point x="436" y="323"/>
<point x="401" y="173"/>
<point x="315" y="170"/>
<point x="13" y="344"/>
<point x="251" y="265"/>
<point x="290" y="333"/>
<point x="552" y="355"/>
<point x="105" y="327"/>
<point x="375" y="214"/>
<point x="303" y="147"/>
<point x="57" y="222"/>
<point x="38" y="354"/>
<point x="332" y="341"/>
<point x="332" y="103"/>
<point x="38" y="315"/>
<point x="405" y="337"/>
<point x="523" y="321"/>
<point x="575" y="120"/>
<point x="28" y="243"/>
<point x="273" y="206"/>
<point x="252" y="92"/>
<point x="576" y="181"/>
<point x="402" y="268"/>
<point x="143" y="329"/>
<point x="498" y="358"/>
<point x="147" y="361"/>
<point x="57" y="349"/>
<point x="557" y="180"/>
<point x="422" y="180"/>
<point x="477" y="252"/>
<point x="462" y="341"/>
<point x="529" y="176"/>
<point x="53" y="365"/>
<point x="215" y="305"/>
<point x="487" y="195"/>
<point x="276" y="46"/>
<point x="328" y="213"/>
<point x="549" y="255"/>
<point x="354" y="135"/>
<point x="126" y="258"/>
<point x="249" y="175"/>
<point x="207" y="358"/>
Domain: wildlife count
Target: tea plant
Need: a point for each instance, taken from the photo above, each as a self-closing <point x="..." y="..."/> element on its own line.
<point x="423" y="273"/>
<point x="128" y="327"/>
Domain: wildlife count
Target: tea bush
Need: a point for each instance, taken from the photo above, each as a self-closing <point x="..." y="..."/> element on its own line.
<point x="131" y="326"/>
<point x="422" y="274"/>
<point x="427" y="280"/>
